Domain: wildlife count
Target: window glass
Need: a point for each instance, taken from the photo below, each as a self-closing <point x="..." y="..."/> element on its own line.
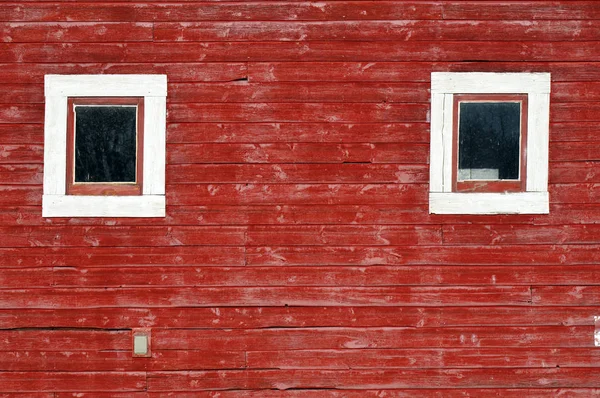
<point x="489" y="141"/>
<point x="105" y="143"/>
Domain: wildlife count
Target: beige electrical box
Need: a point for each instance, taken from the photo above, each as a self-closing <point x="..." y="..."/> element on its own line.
<point x="141" y="343"/>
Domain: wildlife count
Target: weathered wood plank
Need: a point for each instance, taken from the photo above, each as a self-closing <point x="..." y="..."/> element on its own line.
<point x="221" y="11"/>
<point x="180" y="360"/>
<point x="303" y="112"/>
<point x="26" y="278"/>
<point x="565" y="214"/>
<point x="341" y="92"/>
<point x="195" y="72"/>
<point x="149" y="236"/>
<point x="569" y="112"/>
<point x="331" y="10"/>
<point x="297" y="71"/>
<point x="575" y="92"/>
<point x="527" y="10"/>
<point x="350" y="338"/>
<point x="71" y="360"/>
<point x="298" y="92"/>
<point x="116" y="236"/>
<point x="574" y="152"/>
<point x="67" y="32"/>
<point x="297" y="132"/>
<point x="21" y="153"/>
<point x="575" y="193"/>
<point x="310" y="214"/>
<point x="65" y="340"/>
<point x="269" y="153"/>
<point x="307" y="71"/>
<point x="72" y="381"/>
<point x="283" y="173"/>
<point x="265" y="296"/>
<point x="93" y="256"/>
<point x="565" y="295"/>
<point x="573" y="172"/>
<point x="504" y="275"/>
<point x="30" y="395"/>
<point x="15" y="195"/>
<point x="22" y="93"/>
<point x="448" y="255"/>
<point x="302" y="255"/>
<point x="349" y="71"/>
<point x="30" y="134"/>
<point x="210" y="153"/>
<point x="369" y="379"/>
<point x="522" y="234"/>
<point x="504" y="357"/>
<point x="298" y="317"/>
<point x="21" y="113"/>
<point x="363" y="51"/>
<point x="347" y="235"/>
<point x="400" y="30"/>
<point x="574" y="131"/>
<point x="22" y="174"/>
<point x="246" y="194"/>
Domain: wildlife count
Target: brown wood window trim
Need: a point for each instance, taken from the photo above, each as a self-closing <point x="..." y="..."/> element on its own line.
<point x="109" y="188"/>
<point x="490" y="185"/>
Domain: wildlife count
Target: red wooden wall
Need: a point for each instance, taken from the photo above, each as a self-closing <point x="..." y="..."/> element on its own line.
<point x="298" y="257"/>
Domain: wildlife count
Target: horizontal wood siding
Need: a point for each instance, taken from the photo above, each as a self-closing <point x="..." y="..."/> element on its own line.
<point x="298" y="257"/>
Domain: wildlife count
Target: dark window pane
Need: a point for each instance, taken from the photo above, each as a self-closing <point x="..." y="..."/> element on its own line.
<point x="489" y="137"/>
<point x="105" y="143"/>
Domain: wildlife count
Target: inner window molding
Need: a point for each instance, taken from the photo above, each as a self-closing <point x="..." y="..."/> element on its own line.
<point x="105" y="146"/>
<point x="60" y="90"/>
<point x="443" y="196"/>
<point x="497" y="159"/>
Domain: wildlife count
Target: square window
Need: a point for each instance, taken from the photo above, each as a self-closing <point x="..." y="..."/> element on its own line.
<point x="104" y="146"/>
<point x="489" y="143"/>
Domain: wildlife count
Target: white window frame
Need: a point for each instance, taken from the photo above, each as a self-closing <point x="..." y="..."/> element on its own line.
<point x="535" y="199"/>
<point x="58" y="88"/>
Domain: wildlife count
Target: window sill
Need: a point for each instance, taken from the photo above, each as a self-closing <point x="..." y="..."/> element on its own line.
<point x="103" y="206"/>
<point x="489" y="203"/>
